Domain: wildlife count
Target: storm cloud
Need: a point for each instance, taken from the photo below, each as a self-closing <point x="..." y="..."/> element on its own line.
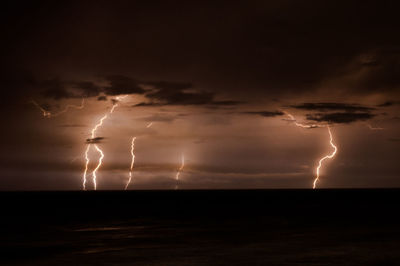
<point x="323" y="107"/>
<point x="340" y="117"/>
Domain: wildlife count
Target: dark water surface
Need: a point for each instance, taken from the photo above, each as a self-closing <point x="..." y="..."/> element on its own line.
<point x="205" y="227"/>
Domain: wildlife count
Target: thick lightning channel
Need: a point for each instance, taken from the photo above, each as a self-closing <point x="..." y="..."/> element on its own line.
<point x="132" y="162"/>
<point x="48" y="114"/>
<point x="330" y="156"/>
<point x="93" y="135"/>
<point x="179" y="171"/>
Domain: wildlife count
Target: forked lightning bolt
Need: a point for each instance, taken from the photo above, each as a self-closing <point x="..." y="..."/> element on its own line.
<point x="330" y="156"/>
<point x="132" y="162"/>
<point x="48" y="114"/>
<point x="93" y="135"/>
<point x="179" y="171"/>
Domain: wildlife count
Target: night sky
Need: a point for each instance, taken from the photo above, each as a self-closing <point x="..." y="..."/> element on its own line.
<point x="217" y="80"/>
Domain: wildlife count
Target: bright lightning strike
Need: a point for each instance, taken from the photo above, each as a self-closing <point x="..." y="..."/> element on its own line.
<point x="93" y="136"/>
<point x="179" y="170"/>
<point x="48" y="114"/>
<point x="98" y="166"/>
<point x="330" y="156"/>
<point x="132" y="161"/>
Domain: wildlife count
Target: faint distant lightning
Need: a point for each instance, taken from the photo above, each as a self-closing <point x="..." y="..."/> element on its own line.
<point x="132" y="162"/>
<point x="372" y="127"/>
<point x="45" y="113"/>
<point x="179" y="171"/>
<point x="330" y="156"/>
<point x="149" y="124"/>
<point x="93" y="135"/>
<point x="48" y="114"/>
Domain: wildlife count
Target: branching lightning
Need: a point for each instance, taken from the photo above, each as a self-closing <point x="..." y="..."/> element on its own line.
<point x="179" y="171"/>
<point x="132" y="162"/>
<point x="330" y="156"/>
<point x="48" y="114"/>
<point x="93" y="135"/>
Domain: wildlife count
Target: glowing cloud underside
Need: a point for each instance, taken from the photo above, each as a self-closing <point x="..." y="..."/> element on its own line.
<point x="132" y="162"/>
<point x="330" y="156"/>
<point x="93" y="135"/>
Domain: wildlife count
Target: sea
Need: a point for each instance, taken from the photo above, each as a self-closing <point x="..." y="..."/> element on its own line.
<point x="201" y="227"/>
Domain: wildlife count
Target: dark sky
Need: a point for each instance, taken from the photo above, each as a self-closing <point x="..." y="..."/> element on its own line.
<point x="217" y="80"/>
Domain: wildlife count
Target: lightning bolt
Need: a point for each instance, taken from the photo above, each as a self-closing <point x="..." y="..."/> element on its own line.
<point x="149" y="124"/>
<point x="93" y="135"/>
<point x="330" y="156"/>
<point x="292" y="119"/>
<point x="179" y="170"/>
<point x="48" y="114"/>
<point x="132" y="161"/>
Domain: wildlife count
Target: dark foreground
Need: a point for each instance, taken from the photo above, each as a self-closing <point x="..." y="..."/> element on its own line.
<point x="242" y="227"/>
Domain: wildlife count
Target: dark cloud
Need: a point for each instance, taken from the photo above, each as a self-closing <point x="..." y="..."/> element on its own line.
<point x="147" y="104"/>
<point x="171" y="93"/>
<point x="323" y="107"/>
<point x="102" y="98"/>
<point x="95" y="140"/>
<point x="87" y="89"/>
<point x="340" y="117"/>
<point x="265" y="113"/>
<point x="58" y="89"/>
<point x="389" y="103"/>
<point x="159" y="118"/>
<point x="227" y="103"/>
<point x="72" y="125"/>
<point x="55" y="89"/>
<point x="179" y="94"/>
<point x="394" y="139"/>
<point x="122" y="85"/>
